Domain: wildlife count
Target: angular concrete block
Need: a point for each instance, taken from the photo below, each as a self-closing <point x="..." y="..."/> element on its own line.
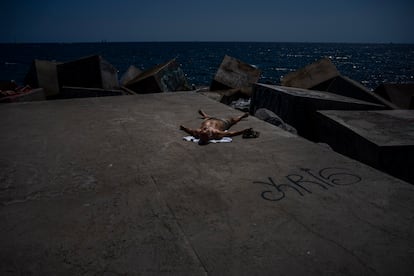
<point x="90" y="72"/>
<point x="43" y="73"/>
<point x="271" y="118"/>
<point x="131" y="73"/>
<point x="298" y="107"/>
<point x="311" y="75"/>
<point x="398" y="94"/>
<point x="324" y="76"/>
<point x="347" y="87"/>
<point x="166" y="77"/>
<point x="234" y="73"/>
<point x="381" y="139"/>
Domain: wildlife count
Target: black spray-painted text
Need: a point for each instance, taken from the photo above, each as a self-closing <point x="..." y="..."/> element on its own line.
<point x="304" y="182"/>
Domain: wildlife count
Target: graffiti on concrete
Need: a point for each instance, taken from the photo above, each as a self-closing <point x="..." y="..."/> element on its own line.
<point x="306" y="180"/>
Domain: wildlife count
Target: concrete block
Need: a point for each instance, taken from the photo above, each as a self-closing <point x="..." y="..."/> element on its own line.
<point x="324" y="76"/>
<point x="107" y="186"/>
<point x="234" y="73"/>
<point x="398" y="94"/>
<point x="212" y="95"/>
<point x="381" y="139"/>
<point x="83" y="92"/>
<point x="271" y="118"/>
<point x="43" y="73"/>
<point x="90" y="72"/>
<point x="131" y="73"/>
<point x="166" y="77"/>
<point x="311" y="75"/>
<point x="298" y="107"/>
<point x="233" y="94"/>
<point x="347" y="87"/>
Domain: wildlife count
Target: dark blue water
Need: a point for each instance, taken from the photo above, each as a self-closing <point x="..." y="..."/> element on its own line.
<point x="370" y="64"/>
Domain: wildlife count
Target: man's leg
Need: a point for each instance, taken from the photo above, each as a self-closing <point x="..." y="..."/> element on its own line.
<point x="202" y="113"/>
<point x="235" y="120"/>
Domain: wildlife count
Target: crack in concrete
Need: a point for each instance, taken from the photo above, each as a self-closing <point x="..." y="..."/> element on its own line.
<point x="42" y="194"/>
<point x="179" y="226"/>
<point x="32" y="196"/>
<point x="382" y="229"/>
<point x="337" y="244"/>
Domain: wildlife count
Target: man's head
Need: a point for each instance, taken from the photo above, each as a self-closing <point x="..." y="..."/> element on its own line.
<point x="205" y="136"/>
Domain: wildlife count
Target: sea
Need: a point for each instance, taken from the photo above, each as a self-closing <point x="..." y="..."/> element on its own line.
<point x="369" y="64"/>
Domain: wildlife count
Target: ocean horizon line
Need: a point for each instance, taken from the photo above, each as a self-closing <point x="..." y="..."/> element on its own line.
<point x="208" y="41"/>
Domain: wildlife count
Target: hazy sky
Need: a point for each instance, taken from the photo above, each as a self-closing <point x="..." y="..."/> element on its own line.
<point x="209" y="20"/>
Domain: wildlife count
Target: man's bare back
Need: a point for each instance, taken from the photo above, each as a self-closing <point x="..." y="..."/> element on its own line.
<point x="213" y="128"/>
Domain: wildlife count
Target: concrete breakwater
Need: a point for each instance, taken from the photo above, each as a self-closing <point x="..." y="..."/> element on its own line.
<point x="107" y="185"/>
<point x="297" y="101"/>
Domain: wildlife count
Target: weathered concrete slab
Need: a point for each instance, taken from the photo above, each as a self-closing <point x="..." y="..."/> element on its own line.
<point x="234" y="73"/>
<point x="382" y="139"/>
<point x="399" y="94"/>
<point x="347" y="87"/>
<point x="89" y="72"/>
<point x="107" y="186"/>
<point x="43" y="74"/>
<point x="298" y="107"/>
<point x="311" y="75"/>
<point x="166" y="77"/>
<point x="322" y="75"/>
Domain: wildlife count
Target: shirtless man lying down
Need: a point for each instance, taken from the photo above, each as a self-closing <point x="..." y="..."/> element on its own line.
<point x="213" y="128"/>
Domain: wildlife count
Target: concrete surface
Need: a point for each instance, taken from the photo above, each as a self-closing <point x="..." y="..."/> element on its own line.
<point x="166" y="77"/>
<point x="400" y="94"/>
<point x="90" y="72"/>
<point x="67" y="92"/>
<point x="382" y="139"/>
<point x="131" y="73"/>
<point x="322" y="75"/>
<point x="234" y="73"/>
<point x="107" y="186"/>
<point x="311" y="75"/>
<point x="298" y="107"/>
<point x="347" y="87"/>
<point x="43" y="74"/>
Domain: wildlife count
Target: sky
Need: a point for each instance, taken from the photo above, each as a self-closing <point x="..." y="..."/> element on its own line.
<point x="364" y="21"/>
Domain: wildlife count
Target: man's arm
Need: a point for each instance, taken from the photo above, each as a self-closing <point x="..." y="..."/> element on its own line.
<point x="193" y="132"/>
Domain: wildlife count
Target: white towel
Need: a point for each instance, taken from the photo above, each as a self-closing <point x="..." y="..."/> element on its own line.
<point x="195" y="140"/>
